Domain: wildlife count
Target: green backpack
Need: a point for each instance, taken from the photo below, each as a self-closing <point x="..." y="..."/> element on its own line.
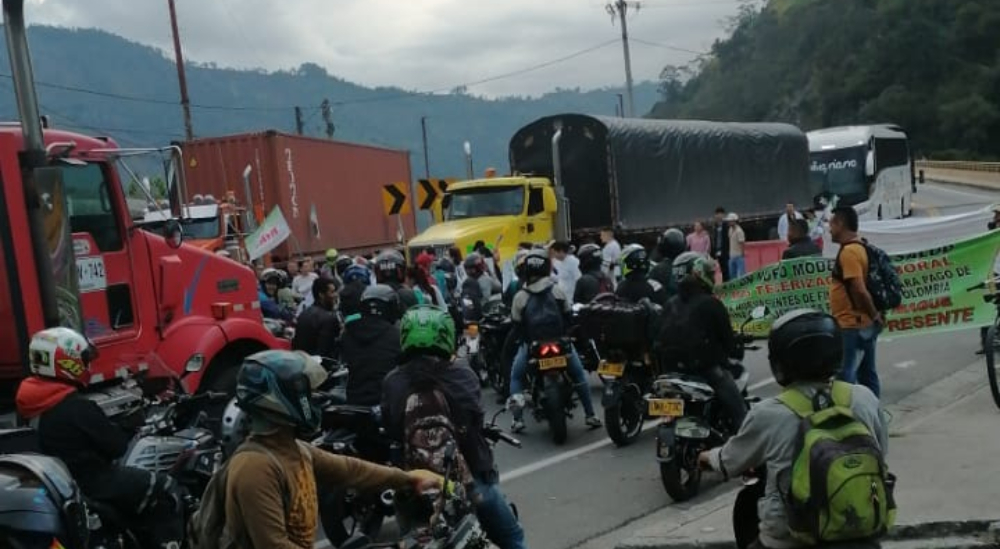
<point x="838" y="488"/>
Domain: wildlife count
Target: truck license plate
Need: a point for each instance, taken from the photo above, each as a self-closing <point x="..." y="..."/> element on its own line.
<point x="611" y="369"/>
<point x="90" y="274"/>
<point x="552" y="363"/>
<point x="666" y="407"/>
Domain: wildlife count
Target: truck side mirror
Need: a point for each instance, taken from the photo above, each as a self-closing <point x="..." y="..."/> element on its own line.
<point x="549" y="202"/>
<point x="446" y="200"/>
<point x="870" y="164"/>
<point x="173" y="233"/>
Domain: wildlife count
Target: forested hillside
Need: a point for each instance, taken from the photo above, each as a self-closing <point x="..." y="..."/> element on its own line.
<point x="930" y="65"/>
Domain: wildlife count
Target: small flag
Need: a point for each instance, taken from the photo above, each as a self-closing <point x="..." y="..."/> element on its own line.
<point x="314" y="221"/>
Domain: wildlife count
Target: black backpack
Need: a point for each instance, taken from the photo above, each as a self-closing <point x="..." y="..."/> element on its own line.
<point x="543" y="316"/>
<point x="680" y="344"/>
<point x="882" y="281"/>
<point x="471" y="301"/>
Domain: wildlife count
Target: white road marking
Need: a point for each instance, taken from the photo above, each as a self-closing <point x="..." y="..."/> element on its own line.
<point x="905" y="364"/>
<point x="764" y="383"/>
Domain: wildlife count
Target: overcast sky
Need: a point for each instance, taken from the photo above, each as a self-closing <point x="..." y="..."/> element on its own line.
<point x="415" y="44"/>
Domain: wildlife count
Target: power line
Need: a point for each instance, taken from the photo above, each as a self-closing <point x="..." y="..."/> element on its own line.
<point x="666" y="46"/>
<point x="656" y="6"/>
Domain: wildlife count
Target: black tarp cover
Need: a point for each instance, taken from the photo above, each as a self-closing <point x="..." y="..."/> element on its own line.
<point x="644" y="173"/>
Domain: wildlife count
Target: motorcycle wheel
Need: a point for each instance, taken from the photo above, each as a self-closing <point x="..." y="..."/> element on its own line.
<point x="554" y="410"/>
<point x="991" y="348"/>
<point x="681" y="483"/>
<point x="624" y="419"/>
<point x="342" y="519"/>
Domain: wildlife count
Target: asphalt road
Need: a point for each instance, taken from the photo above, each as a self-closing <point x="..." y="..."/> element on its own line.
<point x="569" y="494"/>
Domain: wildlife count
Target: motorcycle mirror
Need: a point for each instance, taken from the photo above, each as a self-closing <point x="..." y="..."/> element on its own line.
<point x="759" y="312"/>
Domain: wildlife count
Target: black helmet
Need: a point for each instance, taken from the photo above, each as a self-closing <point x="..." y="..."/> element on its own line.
<point x="671" y="243"/>
<point x="474" y="264"/>
<point x="537" y="265"/>
<point x="382" y="301"/>
<point x="590" y="257"/>
<point x="41" y="503"/>
<point x="277" y="386"/>
<point x="805" y="345"/>
<point x="634" y="260"/>
<point x="444" y="264"/>
<point x="519" y="258"/>
<point x="343" y="263"/>
<point x="390" y="267"/>
<point x="696" y="265"/>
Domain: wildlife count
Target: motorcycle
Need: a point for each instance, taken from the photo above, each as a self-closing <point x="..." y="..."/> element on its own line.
<point x="627" y="371"/>
<point x="552" y="395"/>
<point x="693" y="419"/>
<point x="441" y="519"/>
<point x="494" y="328"/>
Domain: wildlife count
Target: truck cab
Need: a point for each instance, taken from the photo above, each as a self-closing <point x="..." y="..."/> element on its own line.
<point x="500" y="211"/>
<point x="141" y="297"/>
<point x="209" y="225"/>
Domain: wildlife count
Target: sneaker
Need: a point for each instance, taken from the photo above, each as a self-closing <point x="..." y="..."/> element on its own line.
<point x="593" y="422"/>
<point x="515" y="403"/>
<point x="517" y="426"/>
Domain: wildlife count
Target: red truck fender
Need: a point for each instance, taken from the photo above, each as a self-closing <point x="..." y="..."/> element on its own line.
<point x="219" y="346"/>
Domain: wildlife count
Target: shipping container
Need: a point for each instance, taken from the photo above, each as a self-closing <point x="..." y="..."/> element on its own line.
<point x="330" y="192"/>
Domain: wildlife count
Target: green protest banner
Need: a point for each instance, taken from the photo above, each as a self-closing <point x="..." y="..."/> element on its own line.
<point x="936" y="283"/>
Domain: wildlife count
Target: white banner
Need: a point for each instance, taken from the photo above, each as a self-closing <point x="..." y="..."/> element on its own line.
<point x="899" y="236"/>
<point x="272" y="232"/>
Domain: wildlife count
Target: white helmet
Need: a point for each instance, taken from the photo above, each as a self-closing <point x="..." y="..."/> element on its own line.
<point x="61" y="353"/>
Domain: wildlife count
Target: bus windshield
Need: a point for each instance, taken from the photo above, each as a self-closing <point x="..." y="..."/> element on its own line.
<point x="484" y="202"/>
<point x="841" y="172"/>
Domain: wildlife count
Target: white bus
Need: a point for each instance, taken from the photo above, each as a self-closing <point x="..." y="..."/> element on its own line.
<point x="868" y="167"/>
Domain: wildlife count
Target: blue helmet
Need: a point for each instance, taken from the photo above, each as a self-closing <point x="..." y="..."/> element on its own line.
<point x="357" y="273"/>
<point x="277" y="386"/>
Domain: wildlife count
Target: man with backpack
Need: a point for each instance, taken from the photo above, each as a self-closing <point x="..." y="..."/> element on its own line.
<point x="696" y="333"/>
<point x="822" y="443"/>
<point x="430" y="402"/>
<point x="267" y="491"/>
<point x="863" y="288"/>
<point x="542" y="311"/>
<point x="670" y="245"/>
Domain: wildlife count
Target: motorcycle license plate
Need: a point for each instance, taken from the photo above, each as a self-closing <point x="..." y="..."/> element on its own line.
<point x="552" y="363"/>
<point x="666" y="407"/>
<point x="611" y="369"/>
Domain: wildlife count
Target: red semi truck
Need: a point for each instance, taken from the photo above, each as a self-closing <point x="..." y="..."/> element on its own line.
<point x="72" y="255"/>
<point x="329" y="192"/>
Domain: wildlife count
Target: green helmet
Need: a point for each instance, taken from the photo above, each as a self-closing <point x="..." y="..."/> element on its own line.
<point x="697" y="265"/>
<point x="427" y="330"/>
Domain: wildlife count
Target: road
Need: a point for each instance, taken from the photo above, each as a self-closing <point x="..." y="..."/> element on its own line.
<point x="567" y="495"/>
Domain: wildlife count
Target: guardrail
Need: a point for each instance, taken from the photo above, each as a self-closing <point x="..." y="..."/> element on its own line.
<point x="960" y="165"/>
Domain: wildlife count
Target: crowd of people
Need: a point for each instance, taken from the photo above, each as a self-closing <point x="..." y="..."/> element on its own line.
<point x="396" y="323"/>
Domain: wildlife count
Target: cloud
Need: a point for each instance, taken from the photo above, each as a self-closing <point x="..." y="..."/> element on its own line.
<point x="420" y="45"/>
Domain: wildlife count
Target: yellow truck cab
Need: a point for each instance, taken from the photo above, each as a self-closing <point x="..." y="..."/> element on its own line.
<point x="500" y="211"/>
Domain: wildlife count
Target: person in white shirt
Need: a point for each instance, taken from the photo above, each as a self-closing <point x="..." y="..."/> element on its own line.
<point x="565" y="267"/>
<point x="790" y="213"/>
<point x="303" y="282"/>
<point x="611" y="253"/>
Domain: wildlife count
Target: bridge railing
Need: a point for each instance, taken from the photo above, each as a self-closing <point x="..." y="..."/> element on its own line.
<point x="960" y="165"/>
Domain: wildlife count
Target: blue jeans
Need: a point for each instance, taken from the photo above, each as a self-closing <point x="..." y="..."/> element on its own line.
<point x="576" y="372"/>
<point x="859" y="357"/>
<point x="496" y="516"/>
<point x="737" y="267"/>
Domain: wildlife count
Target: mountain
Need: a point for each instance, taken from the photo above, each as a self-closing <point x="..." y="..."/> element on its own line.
<point x="931" y="66"/>
<point x="133" y="98"/>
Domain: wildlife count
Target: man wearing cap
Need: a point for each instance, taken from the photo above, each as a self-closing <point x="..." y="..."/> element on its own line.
<point x="737" y="240"/>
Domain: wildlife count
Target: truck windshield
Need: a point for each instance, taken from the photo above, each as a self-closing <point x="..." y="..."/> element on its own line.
<point x="194" y="229"/>
<point x="486" y="202"/>
<point x="841" y="172"/>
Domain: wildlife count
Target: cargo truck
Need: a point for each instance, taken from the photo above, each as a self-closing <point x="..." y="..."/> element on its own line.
<point x="576" y="174"/>
<point x="72" y="256"/>
<point x="329" y="192"/>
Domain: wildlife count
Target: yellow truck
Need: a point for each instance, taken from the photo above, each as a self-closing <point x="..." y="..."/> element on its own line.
<point x="576" y="174"/>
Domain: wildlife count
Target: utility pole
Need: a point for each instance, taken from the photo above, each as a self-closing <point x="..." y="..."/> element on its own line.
<point x="299" y="124"/>
<point x="423" y="132"/>
<point x="620" y="8"/>
<point x="181" y="79"/>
